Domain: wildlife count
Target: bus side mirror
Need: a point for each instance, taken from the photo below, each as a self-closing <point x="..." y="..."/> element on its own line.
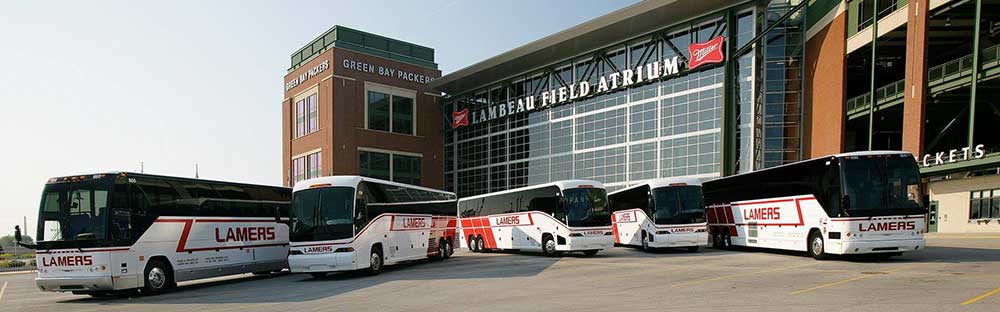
<point x="277" y="214"/>
<point x="17" y="233"/>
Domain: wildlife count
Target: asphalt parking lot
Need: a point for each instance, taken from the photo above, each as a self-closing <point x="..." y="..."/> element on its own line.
<point x="956" y="273"/>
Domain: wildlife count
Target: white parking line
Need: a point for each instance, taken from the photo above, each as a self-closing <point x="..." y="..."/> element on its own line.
<point x="2" y="289"/>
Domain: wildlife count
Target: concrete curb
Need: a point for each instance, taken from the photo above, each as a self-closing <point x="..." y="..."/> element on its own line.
<point x="17" y="272"/>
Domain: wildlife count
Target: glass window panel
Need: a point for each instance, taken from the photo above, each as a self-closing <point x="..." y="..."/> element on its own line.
<point x="402" y="115"/>
<point x="378" y="111"/>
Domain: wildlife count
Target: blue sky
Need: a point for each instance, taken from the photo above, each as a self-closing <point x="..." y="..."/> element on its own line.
<point x="95" y="86"/>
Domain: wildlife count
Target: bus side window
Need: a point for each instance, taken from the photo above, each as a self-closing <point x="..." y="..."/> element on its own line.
<point x="829" y="191"/>
<point x="360" y="210"/>
<point x="121" y="215"/>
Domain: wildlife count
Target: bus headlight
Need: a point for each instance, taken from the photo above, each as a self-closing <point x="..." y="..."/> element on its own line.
<point x="663" y="232"/>
<point x="575" y="234"/>
<point x="699" y="231"/>
<point x="292" y="252"/>
<point x="344" y="249"/>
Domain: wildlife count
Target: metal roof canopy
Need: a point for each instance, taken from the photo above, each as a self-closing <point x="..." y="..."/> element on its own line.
<point x="635" y="20"/>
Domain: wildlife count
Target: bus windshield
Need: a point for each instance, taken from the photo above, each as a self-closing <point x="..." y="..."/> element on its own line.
<point x="881" y="186"/>
<point x="74" y="212"/>
<point x="678" y="205"/>
<point x="587" y="207"/>
<point x="322" y="214"/>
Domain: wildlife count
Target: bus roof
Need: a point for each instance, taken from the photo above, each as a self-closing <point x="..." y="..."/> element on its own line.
<point x="134" y="174"/>
<point x="353" y="181"/>
<point x="657" y="183"/>
<point x="563" y="184"/>
<point x="841" y="155"/>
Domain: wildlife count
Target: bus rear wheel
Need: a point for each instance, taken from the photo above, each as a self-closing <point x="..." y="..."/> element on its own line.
<point x="158" y="277"/>
<point x="481" y="244"/>
<point x="816" y="246"/>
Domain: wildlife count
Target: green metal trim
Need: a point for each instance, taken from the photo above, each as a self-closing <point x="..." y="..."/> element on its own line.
<point x="358" y="41"/>
<point x="975" y="73"/>
<point x="987" y="162"/>
<point x="871" y="90"/>
<point x="760" y="35"/>
<point x="728" y="144"/>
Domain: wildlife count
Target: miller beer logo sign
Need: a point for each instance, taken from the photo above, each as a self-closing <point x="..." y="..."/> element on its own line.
<point x="700" y="54"/>
<point x="460" y="118"/>
<point x="705" y="52"/>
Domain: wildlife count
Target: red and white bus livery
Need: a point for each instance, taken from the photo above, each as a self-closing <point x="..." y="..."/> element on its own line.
<point x="106" y="232"/>
<point x="660" y="213"/>
<point x="347" y="223"/>
<point x="853" y="203"/>
<point x="552" y="218"/>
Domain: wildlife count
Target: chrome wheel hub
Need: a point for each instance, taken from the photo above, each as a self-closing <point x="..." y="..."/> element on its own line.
<point x="157" y="278"/>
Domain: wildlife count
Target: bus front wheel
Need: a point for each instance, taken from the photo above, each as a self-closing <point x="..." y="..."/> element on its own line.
<point x="448" y="249"/>
<point x="645" y="242"/>
<point x="375" y="261"/>
<point x="816" y="246"/>
<point x="549" y="246"/>
<point x="158" y="277"/>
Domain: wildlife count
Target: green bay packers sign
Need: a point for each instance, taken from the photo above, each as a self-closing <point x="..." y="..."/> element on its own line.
<point x="699" y="54"/>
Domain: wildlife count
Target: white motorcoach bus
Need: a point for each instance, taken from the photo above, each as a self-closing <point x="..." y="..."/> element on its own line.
<point x="347" y="223"/>
<point x="101" y="233"/>
<point x="660" y="213"/>
<point x="853" y="203"/>
<point x="552" y="218"/>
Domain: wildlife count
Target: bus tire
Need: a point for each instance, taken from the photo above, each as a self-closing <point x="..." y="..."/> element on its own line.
<point x="645" y="242"/>
<point x="375" y="261"/>
<point x="726" y="241"/>
<point x="549" y="246"/>
<point x="692" y="248"/>
<point x="590" y="252"/>
<point x="440" y="250"/>
<point x="482" y="243"/>
<point x="816" y="245"/>
<point x="449" y="249"/>
<point x="716" y="239"/>
<point x="158" y="277"/>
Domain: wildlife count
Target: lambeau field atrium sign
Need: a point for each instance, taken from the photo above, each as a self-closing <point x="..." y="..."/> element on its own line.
<point x="702" y="53"/>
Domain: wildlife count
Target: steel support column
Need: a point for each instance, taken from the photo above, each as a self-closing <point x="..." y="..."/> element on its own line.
<point x="871" y="90"/>
<point x="975" y="74"/>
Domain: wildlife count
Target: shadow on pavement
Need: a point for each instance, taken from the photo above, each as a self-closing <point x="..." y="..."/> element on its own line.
<point x="303" y="287"/>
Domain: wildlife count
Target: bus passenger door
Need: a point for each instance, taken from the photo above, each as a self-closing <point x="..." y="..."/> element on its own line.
<point x="932" y="218"/>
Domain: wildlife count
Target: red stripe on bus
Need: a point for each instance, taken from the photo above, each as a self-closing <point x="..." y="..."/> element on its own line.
<point x="77" y="251"/>
<point x="232" y="247"/>
<point x="614" y="229"/>
<point x="768" y="201"/>
<point x="352" y="239"/>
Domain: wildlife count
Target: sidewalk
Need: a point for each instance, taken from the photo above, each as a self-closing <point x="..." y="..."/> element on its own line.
<point x="995" y="235"/>
<point x="18" y="272"/>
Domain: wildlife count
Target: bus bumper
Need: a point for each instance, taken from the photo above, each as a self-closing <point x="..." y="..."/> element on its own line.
<point x="879" y="246"/>
<point x="678" y="240"/>
<point x="587" y="243"/>
<point x="324" y="262"/>
<point x="61" y="284"/>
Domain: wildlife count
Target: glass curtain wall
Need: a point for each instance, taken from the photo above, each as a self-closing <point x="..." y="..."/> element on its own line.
<point x="670" y="127"/>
